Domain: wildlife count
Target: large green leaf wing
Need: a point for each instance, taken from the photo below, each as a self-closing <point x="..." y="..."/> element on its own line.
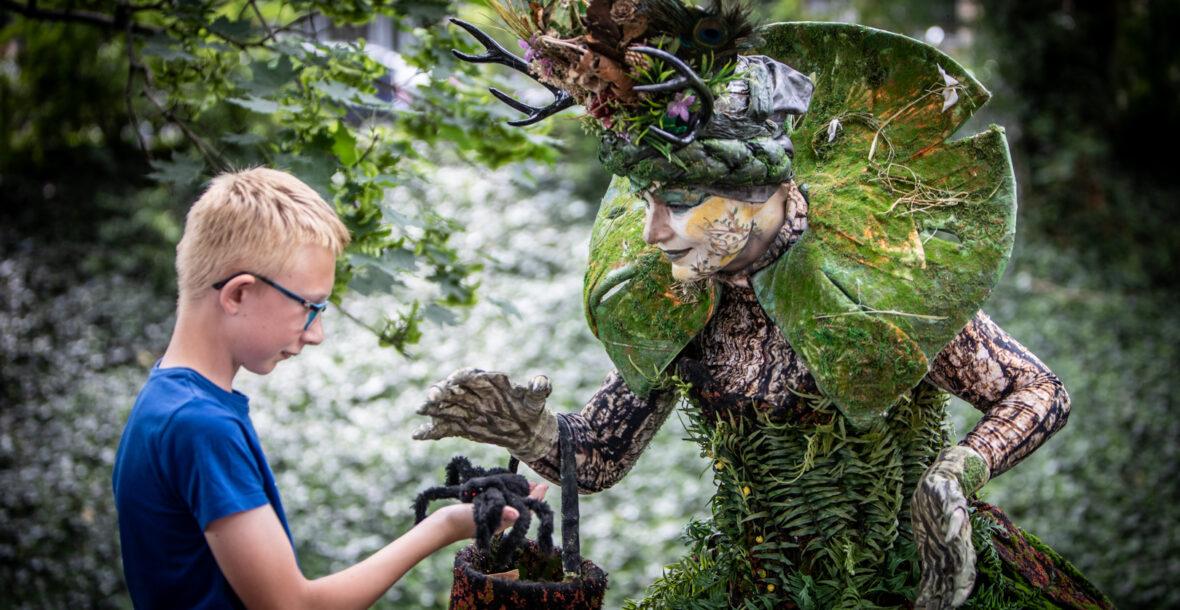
<point x="908" y="233"/>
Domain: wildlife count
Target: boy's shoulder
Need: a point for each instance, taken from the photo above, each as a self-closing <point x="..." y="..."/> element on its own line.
<point x="182" y="420"/>
<point x="181" y="399"/>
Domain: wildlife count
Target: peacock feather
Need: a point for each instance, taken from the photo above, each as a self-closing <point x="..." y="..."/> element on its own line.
<point x="722" y="28"/>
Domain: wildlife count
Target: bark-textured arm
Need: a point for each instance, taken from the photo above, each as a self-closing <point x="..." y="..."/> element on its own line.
<point x="1023" y="402"/>
<point x="610" y="432"/>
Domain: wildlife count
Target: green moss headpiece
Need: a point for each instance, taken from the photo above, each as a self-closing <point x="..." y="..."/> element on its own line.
<point x="744" y="144"/>
<point x="907" y="232"/>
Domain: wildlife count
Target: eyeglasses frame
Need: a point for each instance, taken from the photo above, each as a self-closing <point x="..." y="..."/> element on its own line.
<point x="313" y="309"/>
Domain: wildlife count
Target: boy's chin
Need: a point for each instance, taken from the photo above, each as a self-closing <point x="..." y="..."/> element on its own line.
<point x="262" y="368"/>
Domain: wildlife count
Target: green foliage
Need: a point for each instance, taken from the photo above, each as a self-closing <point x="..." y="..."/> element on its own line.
<point x="73" y="355"/>
<point x="1094" y="284"/>
<point x="821" y="509"/>
<point x="1101" y="490"/>
<point x="1110" y="74"/>
<point x="205" y="87"/>
<point x="653" y="111"/>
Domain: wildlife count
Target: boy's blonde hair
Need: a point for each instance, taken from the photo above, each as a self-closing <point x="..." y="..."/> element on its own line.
<point x="252" y="220"/>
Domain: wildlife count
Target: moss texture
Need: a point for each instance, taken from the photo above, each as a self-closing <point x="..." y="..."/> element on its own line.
<point x="908" y="233"/>
<point x="709" y="161"/>
<point x="631" y="301"/>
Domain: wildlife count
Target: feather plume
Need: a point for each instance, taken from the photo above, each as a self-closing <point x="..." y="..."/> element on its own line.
<point x="722" y="28"/>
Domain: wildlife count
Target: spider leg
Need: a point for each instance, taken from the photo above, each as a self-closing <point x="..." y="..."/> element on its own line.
<point x="487" y="509"/>
<point x="519" y="529"/>
<point x="425" y="498"/>
<point x="458" y="470"/>
<point x="545" y="530"/>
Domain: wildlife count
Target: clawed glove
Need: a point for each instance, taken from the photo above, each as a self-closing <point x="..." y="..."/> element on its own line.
<point x="942" y="527"/>
<point x="486" y="407"/>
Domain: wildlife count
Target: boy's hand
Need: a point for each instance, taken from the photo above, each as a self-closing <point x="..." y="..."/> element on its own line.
<point x="459" y="519"/>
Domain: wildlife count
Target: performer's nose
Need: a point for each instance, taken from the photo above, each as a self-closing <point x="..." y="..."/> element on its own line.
<point x="656" y="228"/>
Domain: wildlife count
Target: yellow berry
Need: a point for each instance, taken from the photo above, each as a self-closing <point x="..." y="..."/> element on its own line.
<point x="746" y="490"/>
<point x="719" y="465"/>
<point x="761" y="573"/>
<point x="758" y="539"/>
<point x="770" y="587"/>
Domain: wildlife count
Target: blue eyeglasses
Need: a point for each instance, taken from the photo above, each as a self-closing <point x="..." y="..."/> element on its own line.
<point x="313" y="309"/>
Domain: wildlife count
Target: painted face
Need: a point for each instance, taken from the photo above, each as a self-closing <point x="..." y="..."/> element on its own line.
<point x="702" y="234"/>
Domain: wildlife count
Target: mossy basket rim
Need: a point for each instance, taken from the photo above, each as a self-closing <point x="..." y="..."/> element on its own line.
<point x="475" y="588"/>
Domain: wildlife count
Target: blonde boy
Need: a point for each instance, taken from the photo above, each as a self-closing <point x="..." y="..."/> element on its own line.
<point x="200" y="518"/>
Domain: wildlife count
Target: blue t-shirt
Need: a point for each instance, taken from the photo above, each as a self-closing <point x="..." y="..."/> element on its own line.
<point x="189" y="456"/>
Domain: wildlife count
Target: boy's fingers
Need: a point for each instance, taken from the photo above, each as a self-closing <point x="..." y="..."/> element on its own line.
<point x="508" y="517"/>
<point x="537" y="490"/>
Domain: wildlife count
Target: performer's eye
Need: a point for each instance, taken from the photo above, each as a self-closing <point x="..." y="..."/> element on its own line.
<point x="682" y="200"/>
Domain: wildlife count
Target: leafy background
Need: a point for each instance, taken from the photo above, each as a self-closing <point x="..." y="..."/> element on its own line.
<point x="470" y="244"/>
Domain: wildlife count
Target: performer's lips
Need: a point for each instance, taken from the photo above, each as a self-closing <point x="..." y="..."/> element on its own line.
<point x="674" y="255"/>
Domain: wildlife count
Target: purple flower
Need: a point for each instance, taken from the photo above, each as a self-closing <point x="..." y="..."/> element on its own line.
<point x="527" y="46"/>
<point x="678" y="107"/>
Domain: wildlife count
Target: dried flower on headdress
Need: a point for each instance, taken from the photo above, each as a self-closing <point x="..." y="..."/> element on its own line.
<point x="587" y="48"/>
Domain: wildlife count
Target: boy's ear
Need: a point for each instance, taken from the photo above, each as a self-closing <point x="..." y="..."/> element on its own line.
<point x="234" y="292"/>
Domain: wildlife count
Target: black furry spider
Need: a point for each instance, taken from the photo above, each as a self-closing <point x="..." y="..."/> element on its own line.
<point x="490" y="491"/>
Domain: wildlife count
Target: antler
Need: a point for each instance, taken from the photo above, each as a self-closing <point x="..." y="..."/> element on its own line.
<point x="499" y="55"/>
<point x="687" y="79"/>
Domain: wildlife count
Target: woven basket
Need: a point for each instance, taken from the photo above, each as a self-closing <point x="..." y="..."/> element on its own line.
<point x="539" y="581"/>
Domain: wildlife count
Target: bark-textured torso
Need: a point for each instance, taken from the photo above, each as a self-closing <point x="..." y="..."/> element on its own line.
<point x="742" y="361"/>
<point x="804" y="494"/>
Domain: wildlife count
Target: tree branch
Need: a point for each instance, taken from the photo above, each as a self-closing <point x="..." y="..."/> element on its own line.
<point x="298" y="21"/>
<point x="211" y="154"/>
<point x="129" y="40"/>
<point x="265" y="25"/>
<point x="102" y="20"/>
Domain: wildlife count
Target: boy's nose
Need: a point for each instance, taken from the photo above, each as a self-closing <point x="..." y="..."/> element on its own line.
<point x="656" y="228"/>
<point x="314" y="335"/>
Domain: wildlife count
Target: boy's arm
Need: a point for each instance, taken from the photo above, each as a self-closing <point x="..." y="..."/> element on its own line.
<point x="254" y="553"/>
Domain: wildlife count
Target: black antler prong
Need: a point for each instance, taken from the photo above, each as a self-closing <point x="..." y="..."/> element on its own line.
<point x="687" y="79"/>
<point x="675" y="84"/>
<point x="499" y="55"/>
<point x="511" y="101"/>
<point x="496" y="53"/>
<point x="535" y="115"/>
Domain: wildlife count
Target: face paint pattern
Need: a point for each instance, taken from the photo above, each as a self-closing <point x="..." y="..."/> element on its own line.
<point x="700" y="233"/>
